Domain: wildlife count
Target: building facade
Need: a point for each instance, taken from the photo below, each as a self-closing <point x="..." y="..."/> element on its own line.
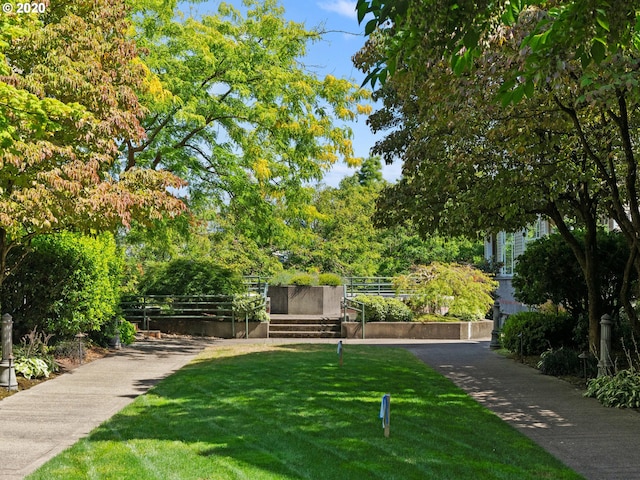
<point x="504" y="248"/>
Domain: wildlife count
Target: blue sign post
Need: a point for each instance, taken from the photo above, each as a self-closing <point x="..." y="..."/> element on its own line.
<point x="385" y="413"/>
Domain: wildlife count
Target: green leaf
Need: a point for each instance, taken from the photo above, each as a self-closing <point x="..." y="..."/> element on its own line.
<point x="602" y="21"/>
<point x="518" y="93"/>
<point x="598" y="51"/>
<point x="370" y="26"/>
<point x="585" y="81"/>
<point x="507" y="17"/>
<point x="391" y="66"/>
<point x="362" y="9"/>
<point x="529" y="88"/>
<point x="471" y="38"/>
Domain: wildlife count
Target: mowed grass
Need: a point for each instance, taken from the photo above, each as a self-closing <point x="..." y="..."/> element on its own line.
<point x="291" y="412"/>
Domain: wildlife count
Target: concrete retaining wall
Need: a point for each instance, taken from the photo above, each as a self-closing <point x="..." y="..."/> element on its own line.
<point x="426" y="330"/>
<point x="302" y="300"/>
<point x="209" y="328"/>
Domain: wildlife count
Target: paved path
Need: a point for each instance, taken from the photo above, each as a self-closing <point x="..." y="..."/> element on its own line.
<point x="599" y="443"/>
<point x="38" y="423"/>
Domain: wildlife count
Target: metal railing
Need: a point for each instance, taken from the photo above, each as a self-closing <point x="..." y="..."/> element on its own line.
<point x="255" y="283"/>
<point x="382" y="286"/>
<point x="351" y="304"/>
<point x="142" y="308"/>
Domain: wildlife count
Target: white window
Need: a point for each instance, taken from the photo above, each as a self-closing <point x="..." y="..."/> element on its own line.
<point x="506" y="243"/>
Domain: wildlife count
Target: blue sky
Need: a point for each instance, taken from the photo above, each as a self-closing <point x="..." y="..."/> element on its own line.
<point x="332" y="56"/>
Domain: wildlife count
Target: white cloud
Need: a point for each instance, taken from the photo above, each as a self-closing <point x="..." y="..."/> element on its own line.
<point x="346" y="8"/>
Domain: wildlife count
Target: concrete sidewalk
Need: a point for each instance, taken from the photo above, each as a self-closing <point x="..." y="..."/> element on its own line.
<point x="38" y="423"/>
<point x="597" y="442"/>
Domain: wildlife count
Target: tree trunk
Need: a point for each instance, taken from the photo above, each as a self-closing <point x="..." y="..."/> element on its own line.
<point x="587" y="258"/>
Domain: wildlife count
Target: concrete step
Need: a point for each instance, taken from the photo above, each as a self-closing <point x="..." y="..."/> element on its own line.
<point x="303" y="319"/>
<point x="304" y="326"/>
<point x="291" y="327"/>
<point x="299" y="334"/>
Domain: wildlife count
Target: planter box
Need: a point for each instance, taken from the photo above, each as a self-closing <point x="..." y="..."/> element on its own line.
<point x="209" y="328"/>
<point x="302" y="300"/>
<point x="420" y="330"/>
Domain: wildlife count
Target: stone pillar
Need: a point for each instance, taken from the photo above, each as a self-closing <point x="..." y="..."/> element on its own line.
<point x="604" y="365"/>
<point x="495" y="333"/>
<point x="7" y="369"/>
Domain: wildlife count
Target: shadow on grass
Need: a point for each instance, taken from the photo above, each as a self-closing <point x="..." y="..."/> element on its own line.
<point x="293" y="412"/>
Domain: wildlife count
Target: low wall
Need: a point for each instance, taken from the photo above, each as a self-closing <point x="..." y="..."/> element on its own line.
<point x="420" y="330"/>
<point x="209" y="328"/>
<point x="417" y="330"/>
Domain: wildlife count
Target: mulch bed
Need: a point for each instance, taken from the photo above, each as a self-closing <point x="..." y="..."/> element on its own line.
<point x="65" y="364"/>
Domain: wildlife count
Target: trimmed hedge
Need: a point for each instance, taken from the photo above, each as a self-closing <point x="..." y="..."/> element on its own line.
<point x="68" y="283"/>
<point x="384" y="309"/>
<point x="539" y="332"/>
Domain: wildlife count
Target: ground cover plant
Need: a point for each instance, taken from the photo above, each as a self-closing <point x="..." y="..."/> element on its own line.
<point x="291" y="412"/>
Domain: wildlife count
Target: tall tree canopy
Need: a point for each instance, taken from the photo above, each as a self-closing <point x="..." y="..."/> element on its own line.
<point x="68" y="82"/>
<point x="508" y="110"/>
<point x="232" y="110"/>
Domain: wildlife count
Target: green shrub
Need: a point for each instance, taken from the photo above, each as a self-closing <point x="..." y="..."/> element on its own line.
<point x="561" y="361"/>
<point x="621" y="390"/>
<point x="374" y="308"/>
<point x="464" y="290"/>
<point x="302" y="279"/>
<point x="550" y="258"/>
<point x="330" y="279"/>
<point x="381" y="309"/>
<point x="32" y="367"/>
<point x="190" y="277"/>
<point x="251" y="304"/>
<point x="32" y="357"/>
<point x="531" y="333"/>
<point x="127" y="332"/>
<point x="293" y="277"/>
<point x="397" y="311"/>
<point x="68" y="283"/>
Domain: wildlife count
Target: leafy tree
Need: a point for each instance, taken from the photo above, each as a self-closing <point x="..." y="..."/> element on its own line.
<point x="526" y="119"/>
<point x="68" y="284"/>
<point x="404" y="247"/>
<point x="548" y="270"/>
<point x="67" y="82"/>
<point x="462" y="289"/>
<point x="232" y="111"/>
<point x="344" y="239"/>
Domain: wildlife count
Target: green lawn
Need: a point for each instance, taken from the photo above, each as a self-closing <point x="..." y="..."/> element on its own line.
<point x="291" y="412"/>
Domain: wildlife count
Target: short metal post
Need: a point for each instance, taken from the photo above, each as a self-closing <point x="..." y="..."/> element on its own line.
<point x="604" y="365"/>
<point x="80" y="340"/>
<point x="495" y="333"/>
<point x="344" y="302"/>
<point x="7" y="368"/>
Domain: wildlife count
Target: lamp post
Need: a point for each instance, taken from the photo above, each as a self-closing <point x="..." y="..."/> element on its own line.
<point x="7" y="369"/>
